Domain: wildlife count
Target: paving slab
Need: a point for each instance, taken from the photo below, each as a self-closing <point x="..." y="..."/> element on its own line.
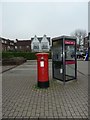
<point x="82" y="67"/>
<point x="22" y="98"/>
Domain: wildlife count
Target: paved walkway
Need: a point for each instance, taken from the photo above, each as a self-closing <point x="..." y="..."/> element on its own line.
<point x="22" y="98"/>
<point x="83" y="67"/>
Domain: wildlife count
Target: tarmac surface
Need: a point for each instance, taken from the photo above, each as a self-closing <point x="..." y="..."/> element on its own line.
<point x="21" y="98"/>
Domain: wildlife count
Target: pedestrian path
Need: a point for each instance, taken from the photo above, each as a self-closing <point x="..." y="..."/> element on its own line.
<point x="22" y="98"/>
<point x="82" y="67"/>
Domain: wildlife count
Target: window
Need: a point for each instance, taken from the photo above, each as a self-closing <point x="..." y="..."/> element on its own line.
<point x="11" y="43"/>
<point x="15" y="47"/>
<point x="44" y="45"/>
<point x="27" y="46"/>
<point x="8" y="47"/>
<point x="20" y="47"/>
<point x="2" y="41"/>
<point x="35" y="46"/>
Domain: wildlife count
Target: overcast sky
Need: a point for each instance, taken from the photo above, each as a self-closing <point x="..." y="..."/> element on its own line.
<point x="24" y="20"/>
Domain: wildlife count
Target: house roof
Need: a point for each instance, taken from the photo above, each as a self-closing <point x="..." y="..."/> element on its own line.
<point x="40" y="39"/>
<point x="23" y="42"/>
<point x="8" y="40"/>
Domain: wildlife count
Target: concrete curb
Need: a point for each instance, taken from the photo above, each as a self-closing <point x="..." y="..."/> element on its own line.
<point x="11" y="68"/>
<point x="8" y="69"/>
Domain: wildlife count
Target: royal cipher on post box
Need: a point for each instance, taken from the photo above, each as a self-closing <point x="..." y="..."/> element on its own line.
<point x="42" y="70"/>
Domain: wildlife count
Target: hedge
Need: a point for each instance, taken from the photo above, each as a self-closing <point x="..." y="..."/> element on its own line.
<point x="27" y="55"/>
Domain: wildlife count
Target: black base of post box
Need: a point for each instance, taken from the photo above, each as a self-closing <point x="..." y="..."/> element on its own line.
<point x="43" y="84"/>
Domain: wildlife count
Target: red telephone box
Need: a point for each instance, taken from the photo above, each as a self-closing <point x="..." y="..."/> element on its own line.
<point x="64" y="59"/>
<point x="42" y="70"/>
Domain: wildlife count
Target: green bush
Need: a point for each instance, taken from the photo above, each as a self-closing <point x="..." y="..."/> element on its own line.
<point x="27" y="55"/>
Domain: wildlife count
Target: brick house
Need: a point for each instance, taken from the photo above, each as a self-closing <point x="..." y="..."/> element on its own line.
<point x="19" y="45"/>
<point x="23" y="45"/>
<point x="7" y="45"/>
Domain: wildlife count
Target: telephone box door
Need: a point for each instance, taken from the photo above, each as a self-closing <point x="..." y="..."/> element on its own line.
<point x="70" y="59"/>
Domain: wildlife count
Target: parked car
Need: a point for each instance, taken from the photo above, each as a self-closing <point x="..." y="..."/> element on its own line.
<point x="79" y="55"/>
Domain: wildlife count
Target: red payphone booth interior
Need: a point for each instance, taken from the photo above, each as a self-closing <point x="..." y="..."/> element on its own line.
<point x="42" y="70"/>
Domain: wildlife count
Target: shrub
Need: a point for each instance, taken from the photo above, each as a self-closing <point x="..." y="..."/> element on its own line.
<point x="27" y="55"/>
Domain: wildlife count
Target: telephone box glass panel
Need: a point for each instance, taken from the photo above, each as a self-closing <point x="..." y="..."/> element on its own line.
<point x="70" y="59"/>
<point x="57" y="60"/>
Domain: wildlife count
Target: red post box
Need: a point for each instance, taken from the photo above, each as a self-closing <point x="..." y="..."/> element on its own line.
<point x="42" y="70"/>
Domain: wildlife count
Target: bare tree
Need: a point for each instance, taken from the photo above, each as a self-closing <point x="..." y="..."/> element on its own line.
<point x="79" y="34"/>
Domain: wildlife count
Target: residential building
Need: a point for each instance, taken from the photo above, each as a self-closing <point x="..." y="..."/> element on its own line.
<point x="40" y="44"/>
<point x="85" y="44"/>
<point x="19" y="45"/>
<point x="23" y="45"/>
<point x="7" y="45"/>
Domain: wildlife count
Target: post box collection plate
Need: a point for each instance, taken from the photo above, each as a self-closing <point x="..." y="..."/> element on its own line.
<point x="42" y="64"/>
